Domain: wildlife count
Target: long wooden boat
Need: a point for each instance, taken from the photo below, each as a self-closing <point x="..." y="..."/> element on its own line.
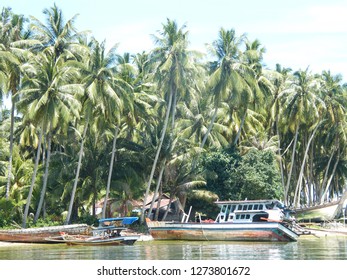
<point x="108" y="233"/>
<point x="257" y="220"/>
<point x="39" y="235"/>
<point x="318" y="213"/>
<point x="101" y="241"/>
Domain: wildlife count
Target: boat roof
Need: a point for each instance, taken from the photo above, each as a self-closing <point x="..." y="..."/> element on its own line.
<point x="248" y="201"/>
<point x="125" y="220"/>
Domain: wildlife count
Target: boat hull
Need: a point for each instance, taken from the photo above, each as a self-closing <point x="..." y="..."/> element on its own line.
<point x="116" y="241"/>
<point x="262" y="231"/>
<point x="319" y="213"/>
<point x="40" y="235"/>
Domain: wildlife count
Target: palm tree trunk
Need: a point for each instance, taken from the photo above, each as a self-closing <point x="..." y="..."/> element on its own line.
<point x="327" y="171"/>
<point x="330" y="179"/>
<point x="174" y="103"/>
<point x="299" y="183"/>
<point x="156" y="189"/>
<point x="240" y="128"/>
<point x="168" y="207"/>
<point x="33" y="178"/>
<point x="77" y="176"/>
<point x="163" y="133"/>
<point x="45" y="178"/>
<point x="156" y="216"/>
<point x="204" y="139"/>
<point x="95" y="195"/>
<point x="280" y="156"/>
<point x="110" y="172"/>
<point x="9" y="168"/>
<point x="209" y="129"/>
<point x="292" y="164"/>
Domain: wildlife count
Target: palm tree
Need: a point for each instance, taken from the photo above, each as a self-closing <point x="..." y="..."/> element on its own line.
<point x="334" y="135"/>
<point x="49" y="93"/>
<point x="228" y="79"/>
<point x="57" y="44"/>
<point x="279" y="79"/>
<point x="121" y="81"/>
<point x="258" y="85"/>
<point x="302" y="107"/>
<point x="57" y="34"/>
<point x="173" y="74"/>
<point x="103" y="97"/>
<point x="13" y="41"/>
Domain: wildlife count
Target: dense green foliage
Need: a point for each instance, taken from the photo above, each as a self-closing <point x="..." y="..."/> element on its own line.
<point x="252" y="176"/>
<point x="221" y="169"/>
<point x="87" y="124"/>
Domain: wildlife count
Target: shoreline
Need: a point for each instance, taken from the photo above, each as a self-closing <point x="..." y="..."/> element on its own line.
<point x="314" y="232"/>
<point x="143" y="238"/>
<point x="322" y="232"/>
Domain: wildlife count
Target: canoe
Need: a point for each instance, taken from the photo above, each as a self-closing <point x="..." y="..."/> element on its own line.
<point x="40" y="235"/>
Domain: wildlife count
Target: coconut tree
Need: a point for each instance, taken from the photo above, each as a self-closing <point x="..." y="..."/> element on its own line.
<point x="14" y="40"/>
<point x="49" y="93"/>
<point x="280" y="80"/>
<point x="58" y="43"/>
<point x="121" y="85"/>
<point x="302" y="108"/>
<point x="228" y="79"/>
<point x="193" y="123"/>
<point x="173" y="75"/>
<point x="334" y="131"/>
<point x="258" y="86"/>
<point x="58" y="34"/>
<point x="97" y="72"/>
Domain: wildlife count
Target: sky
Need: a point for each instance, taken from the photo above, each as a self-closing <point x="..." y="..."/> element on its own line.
<point x="296" y="34"/>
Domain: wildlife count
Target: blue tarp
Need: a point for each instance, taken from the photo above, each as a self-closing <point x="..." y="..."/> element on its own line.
<point x="125" y="220"/>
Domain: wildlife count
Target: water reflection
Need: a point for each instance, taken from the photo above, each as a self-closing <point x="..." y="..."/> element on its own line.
<point x="305" y="249"/>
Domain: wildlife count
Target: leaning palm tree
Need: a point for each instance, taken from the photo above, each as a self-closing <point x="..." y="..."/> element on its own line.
<point x="103" y="92"/>
<point x="174" y="74"/>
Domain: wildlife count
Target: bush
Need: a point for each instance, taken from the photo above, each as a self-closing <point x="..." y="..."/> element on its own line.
<point x="255" y="175"/>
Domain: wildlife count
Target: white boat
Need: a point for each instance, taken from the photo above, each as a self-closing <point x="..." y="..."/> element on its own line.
<point x="247" y="220"/>
<point x="318" y="213"/>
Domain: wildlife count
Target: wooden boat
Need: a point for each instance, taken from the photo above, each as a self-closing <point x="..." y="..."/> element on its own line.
<point x="257" y="220"/>
<point x="318" y="213"/>
<point x="101" y="241"/>
<point x="39" y="235"/>
<point x="108" y="233"/>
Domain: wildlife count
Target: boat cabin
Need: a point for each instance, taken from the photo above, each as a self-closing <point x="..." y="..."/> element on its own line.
<point x="250" y="211"/>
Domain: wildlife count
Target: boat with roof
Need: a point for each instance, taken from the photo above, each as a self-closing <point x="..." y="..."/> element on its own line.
<point x="246" y="220"/>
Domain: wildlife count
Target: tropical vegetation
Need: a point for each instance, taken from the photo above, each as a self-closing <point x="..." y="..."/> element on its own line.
<point x="86" y="124"/>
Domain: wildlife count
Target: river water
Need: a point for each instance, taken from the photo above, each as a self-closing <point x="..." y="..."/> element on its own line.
<point x="307" y="248"/>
